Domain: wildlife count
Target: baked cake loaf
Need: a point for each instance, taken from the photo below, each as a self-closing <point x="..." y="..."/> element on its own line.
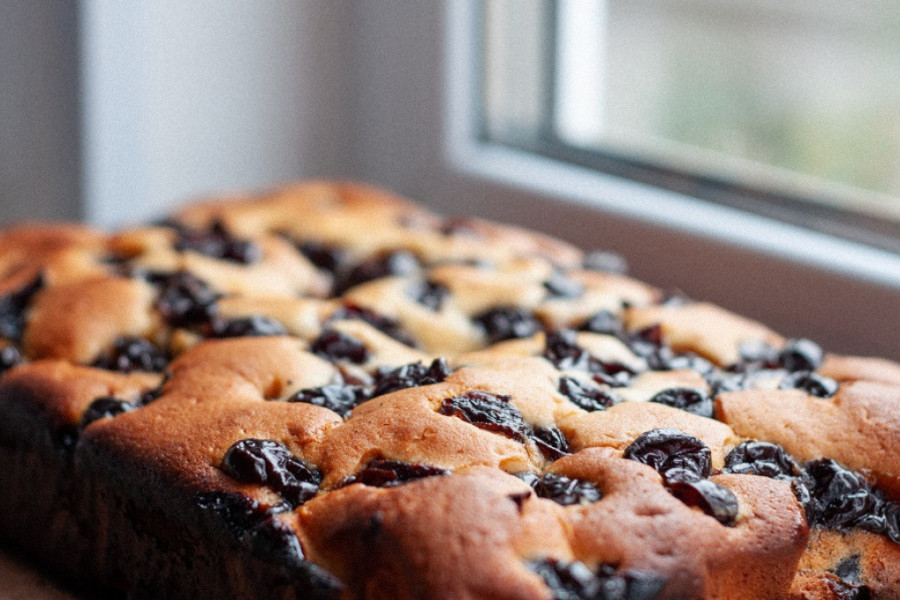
<point x="329" y="392"/>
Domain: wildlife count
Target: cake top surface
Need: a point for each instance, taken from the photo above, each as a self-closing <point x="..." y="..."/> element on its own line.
<point x="328" y="374"/>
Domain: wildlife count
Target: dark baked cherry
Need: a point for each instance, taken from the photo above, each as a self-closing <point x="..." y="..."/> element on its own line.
<point x="340" y="397"/>
<point x="104" y="406"/>
<point x="573" y="580"/>
<point x="252" y="326"/>
<point x="758" y="352"/>
<point x="550" y="441"/>
<point x="841" y="498"/>
<point x="811" y="383"/>
<point x="10" y="356"/>
<point x="645" y="342"/>
<point x="603" y="322"/>
<point x="585" y="396"/>
<point x="800" y="355"/>
<point x="561" y="489"/>
<point x="606" y="261"/>
<point x="321" y="255"/>
<point x="843" y="590"/>
<point x="411" y="375"/>
<point x="664" y="359"/>
<point x="334" y="345"/>
<point x="430" y="295"/>
<point x="561" y="348"/>
<point x="567" y="580"/>
<point x="386" y="325"/>
<point x="131" y="353"/>
<point x="12" y="309"/>
<point x="560" y="286"/>
<point x="628" y="584"/>
<point x="715" y="500"/>
<point x="507" y="322"/>
<point x="686" y="399"/>
<point x="382" y="472"/>
<point x="254" y="526"/>
<point x="494" y="413"/>
<point x="673" y="454"/>
<point x="488" y="411"/>
<point x="397" y="263"/>
<point x="270" y="463"/>
<point x="185" y="299"/>
<point x="217" y="242"/>
<point x="761" y="458"/>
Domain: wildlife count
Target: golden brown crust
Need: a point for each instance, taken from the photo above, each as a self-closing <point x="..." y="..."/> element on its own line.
<point x="859" y="427"/>
<point x="706" y="329"/>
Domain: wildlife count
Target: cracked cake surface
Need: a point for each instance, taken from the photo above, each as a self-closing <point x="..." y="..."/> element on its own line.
<point x="327" y="391"/>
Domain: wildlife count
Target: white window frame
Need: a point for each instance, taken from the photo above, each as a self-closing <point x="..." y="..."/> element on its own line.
<point x="417" y="132"/>
<point x="509" y="166"/>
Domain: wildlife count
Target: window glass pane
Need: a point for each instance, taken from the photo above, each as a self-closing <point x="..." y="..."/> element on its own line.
<point x="799" y="98"/>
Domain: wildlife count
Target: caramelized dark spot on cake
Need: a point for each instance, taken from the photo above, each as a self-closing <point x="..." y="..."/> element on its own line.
<point x="130" y="353"/>
<point x="411" y="375"/>
<point x="12" y="309"/>
<point x="673" y="454"/>
<point x="341" y="398"/>
<point x="270" y="463"/>
<point x="381" y="472"/>
<point x="429" y="294"/>
<point x="588" y="397"/>
<point x="252" y="326"/>
<point x="334" y="345"/>
<point x="573" y="580"/>
<point x="811" y="383"/>
<point x="386" y="325"/>
<point x="686" y="399"/>
<point x="400" y="262"/>
<point x="561" y="489"/>
<point x="184" y="299"/>
<point x="506" y="323"/>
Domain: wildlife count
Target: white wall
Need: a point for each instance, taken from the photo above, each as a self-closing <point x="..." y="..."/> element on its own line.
<point x="184" y="98"/>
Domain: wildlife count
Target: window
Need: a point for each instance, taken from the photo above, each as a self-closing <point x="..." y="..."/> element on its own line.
<point x="788" y="109"/>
